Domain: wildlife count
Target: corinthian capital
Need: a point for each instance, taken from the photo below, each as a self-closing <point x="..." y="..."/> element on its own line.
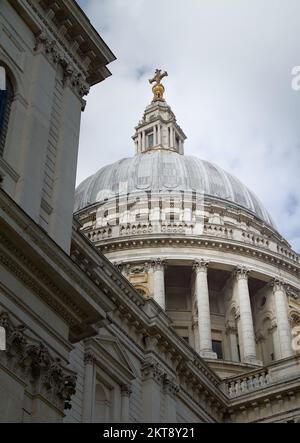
<point x="278" y="285"/>
<point x="89" y="358"/>
<point x="200" y="265"/>
<point x="126" y="390"/>
<point x="158" y="264"/>
<point x="241" y="272"/>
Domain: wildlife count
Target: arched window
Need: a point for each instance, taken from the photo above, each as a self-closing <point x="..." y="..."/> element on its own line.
<point x="102" y="412"/>
<point x="6" y="98"/>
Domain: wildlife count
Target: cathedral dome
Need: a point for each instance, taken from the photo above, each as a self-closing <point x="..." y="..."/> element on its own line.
<point x="162" y="170"/>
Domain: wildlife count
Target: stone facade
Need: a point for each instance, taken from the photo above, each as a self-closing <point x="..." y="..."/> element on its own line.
<point x="101" y="338"/>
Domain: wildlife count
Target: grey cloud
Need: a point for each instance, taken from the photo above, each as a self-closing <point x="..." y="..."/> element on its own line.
<point x="229" y="84"/>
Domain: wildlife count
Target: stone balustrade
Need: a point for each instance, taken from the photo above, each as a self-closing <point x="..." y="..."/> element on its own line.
<point x="245" y="384"/>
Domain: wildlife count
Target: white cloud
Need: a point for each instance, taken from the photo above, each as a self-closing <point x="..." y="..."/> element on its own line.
<point x="229" y="84"/>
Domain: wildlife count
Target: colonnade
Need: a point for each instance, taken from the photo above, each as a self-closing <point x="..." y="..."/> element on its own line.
<point x="245" y="333"/>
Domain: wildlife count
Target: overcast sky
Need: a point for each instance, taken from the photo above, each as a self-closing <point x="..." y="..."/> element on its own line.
<point x="229" y="84"/>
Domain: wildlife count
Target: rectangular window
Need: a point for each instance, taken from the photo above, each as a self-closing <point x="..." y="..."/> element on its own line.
<point x="150" y="138"/>
<point x="239" y="351"/>
<point x="217" y="348"/>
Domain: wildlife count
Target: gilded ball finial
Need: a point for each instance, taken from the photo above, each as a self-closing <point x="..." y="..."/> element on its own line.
<point x="158" y="89"/>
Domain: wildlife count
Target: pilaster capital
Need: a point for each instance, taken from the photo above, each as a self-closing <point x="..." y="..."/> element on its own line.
<point x="141" y="268"/>
<point x="89" y="358"/>
<point x="170" y="386"/>
<point x="241" y="273"/>
<point x="126" y="390"/>
<point x="200" y="265"/>
<point x="152" y="370"/>
<point x="158" y="264"/>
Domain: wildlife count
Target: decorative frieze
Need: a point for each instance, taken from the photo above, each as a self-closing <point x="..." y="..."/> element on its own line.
<point x="224" y="246"/>
<point x="32" y="361"/>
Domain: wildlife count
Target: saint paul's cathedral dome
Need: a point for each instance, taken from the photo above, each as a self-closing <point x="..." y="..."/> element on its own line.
<point x="195" y="239"/>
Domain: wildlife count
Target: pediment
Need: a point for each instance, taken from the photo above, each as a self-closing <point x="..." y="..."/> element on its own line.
<point x="113" y="348"/>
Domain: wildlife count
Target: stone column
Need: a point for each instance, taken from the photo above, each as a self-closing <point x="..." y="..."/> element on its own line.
<point x="231" y="332"/>
<point x="247" y="331"/>
<point x="202" y="297"/>
<point x="152" y="376"/>
<point x="125" y="395"/>
<point x="155" y="138"/>
<point x="159" y="135"/>
<point x="143" y="140"/>
<point x="89" y="389"/>
<point x="283" y="325"/>
<point x="159" y="282"/>
<point x="196" y="335"/>
<point x="171" y="137"/>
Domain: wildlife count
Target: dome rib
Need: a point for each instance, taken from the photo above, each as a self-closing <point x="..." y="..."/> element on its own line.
<point x="160" y="170"/>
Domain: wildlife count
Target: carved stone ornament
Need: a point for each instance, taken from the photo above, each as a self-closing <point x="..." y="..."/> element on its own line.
<point x="230" y="327"/>
<point x="152" y="369"/>
<point x="278" y="285"/>
<point x="200" y="265"/>
<point x="71" y="76"/>
<point x="170" y="386"/>
<point x="241" y="272"/>
<point x="32" y="361"/>
<point x="158" y="264"/>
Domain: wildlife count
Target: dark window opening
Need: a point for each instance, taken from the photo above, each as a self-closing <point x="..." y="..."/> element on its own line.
<point x="239" y="351"/>
<point x="6" y="98"/>
<point x="217" y="348"/>
<point x="150" y="140"/>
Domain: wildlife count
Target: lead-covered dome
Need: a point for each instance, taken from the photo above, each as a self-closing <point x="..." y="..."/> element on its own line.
<point x="163" y="170"/>
<point x="160" y="165"/>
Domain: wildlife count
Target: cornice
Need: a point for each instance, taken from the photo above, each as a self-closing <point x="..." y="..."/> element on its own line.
<point x="69" y="26"/>
<point x="221" y="245"/>
<point x="84" y="306"/>
<point x="34" y="284"/>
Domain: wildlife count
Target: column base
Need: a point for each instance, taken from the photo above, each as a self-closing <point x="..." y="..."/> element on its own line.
<point x="252" y="361"/>
<point x="208" y="354"/>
